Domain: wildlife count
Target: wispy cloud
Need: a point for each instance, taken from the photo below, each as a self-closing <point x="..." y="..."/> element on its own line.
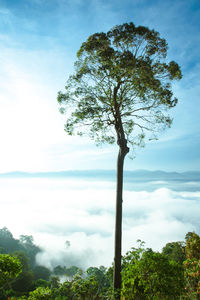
<point x="39" y="40"/>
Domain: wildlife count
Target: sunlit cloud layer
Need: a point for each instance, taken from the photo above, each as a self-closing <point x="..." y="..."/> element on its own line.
<point x="58" y="210"/>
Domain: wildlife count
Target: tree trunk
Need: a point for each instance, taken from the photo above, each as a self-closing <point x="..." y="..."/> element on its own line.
<point x="123" y="150"/>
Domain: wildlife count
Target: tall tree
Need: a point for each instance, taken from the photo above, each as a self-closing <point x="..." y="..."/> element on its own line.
<point x="120" y="92"/>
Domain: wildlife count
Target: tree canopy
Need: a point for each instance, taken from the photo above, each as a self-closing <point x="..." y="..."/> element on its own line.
<point x="151" y="275"/>
<point x="121" y="79"/>
<point x="146" y="274"/>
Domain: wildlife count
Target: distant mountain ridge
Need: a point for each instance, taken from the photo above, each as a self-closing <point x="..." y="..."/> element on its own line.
<point x="137" y="175"/>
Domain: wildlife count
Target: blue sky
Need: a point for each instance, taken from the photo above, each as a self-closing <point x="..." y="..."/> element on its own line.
<point x="38" y="44"/>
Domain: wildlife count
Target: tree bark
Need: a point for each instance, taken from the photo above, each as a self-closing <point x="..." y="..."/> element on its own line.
<point x="123" y="150"/>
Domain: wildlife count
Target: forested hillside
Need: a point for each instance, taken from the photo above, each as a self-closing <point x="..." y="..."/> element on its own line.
<point x="173" y="273"/>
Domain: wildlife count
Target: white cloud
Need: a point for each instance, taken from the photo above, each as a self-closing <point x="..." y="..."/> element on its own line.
<point x="56" y="210"/>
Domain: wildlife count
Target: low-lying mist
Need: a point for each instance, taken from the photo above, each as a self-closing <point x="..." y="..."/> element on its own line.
<point x="72" y="220"/>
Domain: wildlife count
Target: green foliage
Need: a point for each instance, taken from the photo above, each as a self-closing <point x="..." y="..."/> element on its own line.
<point x="24" y="282"/>
<point x="54" y="282"/>
<point x="7" y="243"/>
<point x="192" y="248"/>
<point x="10" y="267"/>
<point x="145" y="275"/>
<point x="175" y="251"/>
<point x="25" y="244"/>
<point x="69" y="272"/>
<point x="150" y="275"/>
<point x="65" y="290"/>
<point x="121" y="81"/>
<point x="73" y="270"/>
<point x="41" y="283"/>
<point x="26" y="241"/>
<point x="41" y="272"/>
<point x="25" y="251"/>
<point x="94" y="284"/>
<point x="41" y="293"/>
<point x="84" y="288"/>
<point x="23" y="259"/>
<point x="59" y="270"/>
<point x="101" y="276"/>
<point x="192" y="265"/>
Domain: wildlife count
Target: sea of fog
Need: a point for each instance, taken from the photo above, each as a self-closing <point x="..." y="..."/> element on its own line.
<point x="157" y="209"/>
